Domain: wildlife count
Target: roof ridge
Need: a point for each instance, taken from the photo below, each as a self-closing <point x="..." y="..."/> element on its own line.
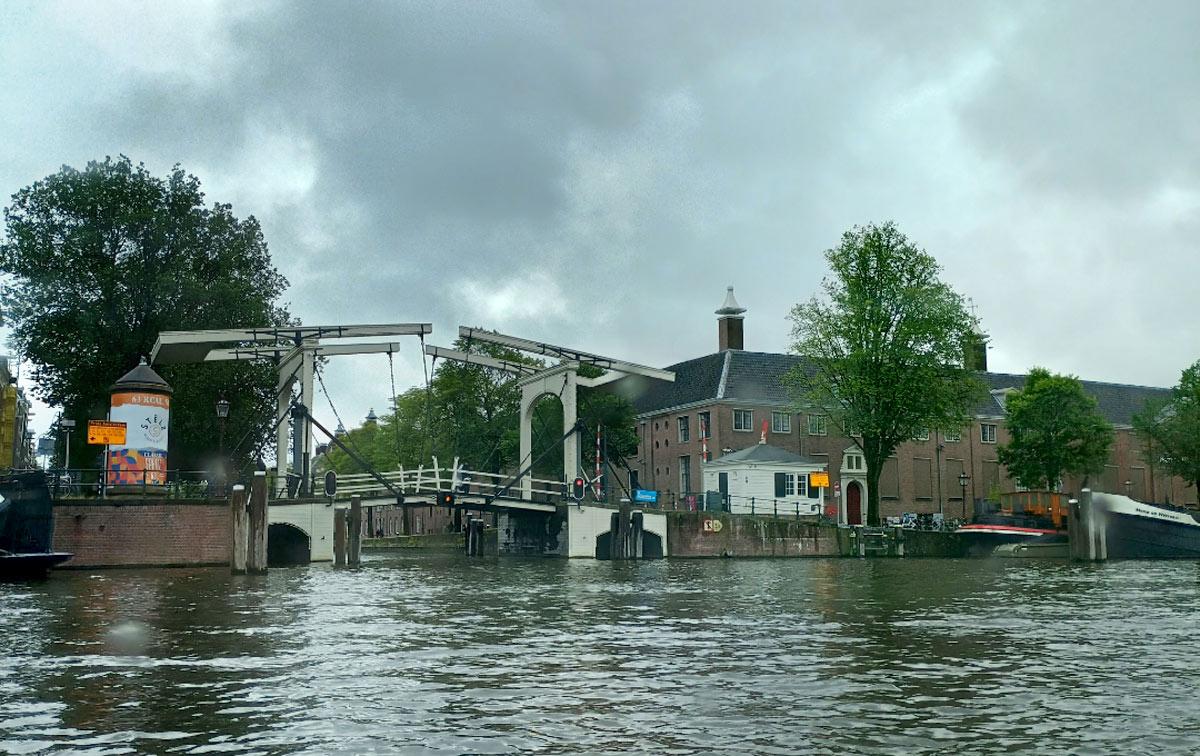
<point x="1082" y="380"/>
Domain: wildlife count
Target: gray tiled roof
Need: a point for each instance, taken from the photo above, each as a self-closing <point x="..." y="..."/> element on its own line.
<point x="757" y="377"/>
<point x="1118" y="402"/>
<point x="765" y="454"/>
<point x="696" y="380"/>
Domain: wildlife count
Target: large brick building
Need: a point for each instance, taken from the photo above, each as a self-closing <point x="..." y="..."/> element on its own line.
<point x="732" y="392"/>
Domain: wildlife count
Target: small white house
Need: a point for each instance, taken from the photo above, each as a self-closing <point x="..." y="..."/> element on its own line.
<point x="765" y="479"/>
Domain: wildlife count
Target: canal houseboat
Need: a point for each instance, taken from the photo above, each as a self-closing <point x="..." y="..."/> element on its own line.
<point x="1021" y="517"/>
<point x="1141" y="530"/>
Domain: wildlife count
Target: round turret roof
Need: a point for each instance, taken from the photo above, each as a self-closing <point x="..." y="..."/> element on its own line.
<point x="730" y="306"/>
<point x="142" y="377"/>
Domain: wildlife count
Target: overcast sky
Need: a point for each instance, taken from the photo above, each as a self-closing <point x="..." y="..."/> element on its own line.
<point x="596" y="173"/>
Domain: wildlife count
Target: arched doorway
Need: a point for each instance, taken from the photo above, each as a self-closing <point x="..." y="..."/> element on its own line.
<point x="287" y="545"/>
<point x="854" y="503"/>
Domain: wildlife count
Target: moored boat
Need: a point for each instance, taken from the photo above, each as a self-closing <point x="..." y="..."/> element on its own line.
<point x="1140" y="530"/>
<point x="26" y="526"/>
<point x="1021" y="517"/>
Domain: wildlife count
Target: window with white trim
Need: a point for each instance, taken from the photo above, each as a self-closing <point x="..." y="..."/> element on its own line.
<point x="854" y="463"/>
<point x="743" y="420"/>
<point x="952" y="437"/>
<point x="781" y="422"/>
<point x="705" y="423"/>
<point x="987" y="433"/>
<point x="685" y="429"/>
<point x="817" y="425"/>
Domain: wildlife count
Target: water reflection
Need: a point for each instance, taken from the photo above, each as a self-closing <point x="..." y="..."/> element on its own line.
<point x="441" y="654"/>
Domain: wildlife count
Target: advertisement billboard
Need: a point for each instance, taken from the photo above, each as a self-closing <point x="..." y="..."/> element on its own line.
<point x="142" y="459"/>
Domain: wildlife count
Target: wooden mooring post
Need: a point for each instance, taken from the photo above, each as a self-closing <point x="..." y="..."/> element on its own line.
<point x="256" y="546"/>
<point x="473" y="537"/>
<point x="238" y="530"/>
<point x="1086" y="533"/>
<point x="339" y="538"/>
<point x="354" y="527"/>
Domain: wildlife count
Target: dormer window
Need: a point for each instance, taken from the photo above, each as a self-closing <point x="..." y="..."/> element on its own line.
<point x="1001" y="396"/>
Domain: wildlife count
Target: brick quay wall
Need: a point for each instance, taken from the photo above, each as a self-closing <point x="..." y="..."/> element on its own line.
<point x="142" y="532"/>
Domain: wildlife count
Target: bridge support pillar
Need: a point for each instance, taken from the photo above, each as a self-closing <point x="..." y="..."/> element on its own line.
<point x="561" y="381"/>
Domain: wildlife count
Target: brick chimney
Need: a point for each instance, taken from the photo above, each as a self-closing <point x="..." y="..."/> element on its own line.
<point x="975" y="351"/>
<point x="729" y="324"/>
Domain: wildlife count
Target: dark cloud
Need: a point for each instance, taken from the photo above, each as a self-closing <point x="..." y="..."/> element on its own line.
<point x="597" y="173"/>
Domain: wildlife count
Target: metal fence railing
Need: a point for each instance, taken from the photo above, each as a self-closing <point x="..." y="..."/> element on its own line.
<point x="82" y="483"/>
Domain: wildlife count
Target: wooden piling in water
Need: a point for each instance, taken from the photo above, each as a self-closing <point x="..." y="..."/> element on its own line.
<point x="354" y="532"/>
<point x="238" y="530"/>
<point x="473" y="537"/>
<point x="256" y="546"/>
<point x="339" y="538"/>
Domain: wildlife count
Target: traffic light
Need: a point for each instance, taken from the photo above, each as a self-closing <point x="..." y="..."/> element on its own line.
<point x="578" y="488"/>
<point x="446" y="498"/>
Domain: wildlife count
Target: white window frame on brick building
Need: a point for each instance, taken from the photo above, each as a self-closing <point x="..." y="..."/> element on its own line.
<point x="818" y="425"/>
<point x="747" y="416"/>
<point x="952" y="437"/>
<point x="781" y="422"/>
<point x="685" y="475"/>
<point x="987" y="433"/>
<point x="704" y="424"/>
<point x="685" y="430"/>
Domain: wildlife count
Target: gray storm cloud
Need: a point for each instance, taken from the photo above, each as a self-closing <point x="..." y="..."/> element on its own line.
<point x="597" y="173"/>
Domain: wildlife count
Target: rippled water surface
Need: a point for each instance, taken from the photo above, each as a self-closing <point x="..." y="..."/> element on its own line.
<point x="441" y="654"/>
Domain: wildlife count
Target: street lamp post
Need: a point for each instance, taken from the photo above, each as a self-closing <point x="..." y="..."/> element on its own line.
<point x="963" y="479"/>
<point x="222" y="414"/>
<point x="67" y="425"/>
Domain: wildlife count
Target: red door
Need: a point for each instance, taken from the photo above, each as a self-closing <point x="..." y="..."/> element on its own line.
<point x="853" y="504"/>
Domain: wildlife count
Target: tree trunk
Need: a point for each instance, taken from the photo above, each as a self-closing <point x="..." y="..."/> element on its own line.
<point x="873" y="474"/>
<point x="874" y="460"/>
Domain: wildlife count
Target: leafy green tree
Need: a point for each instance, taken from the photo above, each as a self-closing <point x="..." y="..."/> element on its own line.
<point x="884" y="347"/>
<point x="479" y="407"/>
<point x="1055" y="430"/>
<point x="407" y="436"/>
<point x="1170" y="428"/>
<point x="103" y="259"/>
<point x="473" y="412"/>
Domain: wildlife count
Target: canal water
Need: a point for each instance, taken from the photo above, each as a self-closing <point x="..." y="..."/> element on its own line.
<point x="438" y="654"/>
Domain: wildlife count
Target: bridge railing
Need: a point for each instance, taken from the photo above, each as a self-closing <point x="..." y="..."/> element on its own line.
<point x="439" y="478"/>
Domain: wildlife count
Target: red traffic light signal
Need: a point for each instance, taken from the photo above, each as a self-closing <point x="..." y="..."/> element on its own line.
<point x="446" y="498"/>
<point x="578" y="488"/>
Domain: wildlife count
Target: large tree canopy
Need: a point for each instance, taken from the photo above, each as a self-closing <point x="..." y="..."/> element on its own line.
<point x="1056" y="430"/>
<point x="884" y="346"/>
<point x="103" y="259"/>
<point x="1170" y="429"/>
<point x="472" y="412"/>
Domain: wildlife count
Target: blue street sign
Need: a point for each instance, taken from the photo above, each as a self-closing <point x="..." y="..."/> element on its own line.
<point x="650" y="497"/>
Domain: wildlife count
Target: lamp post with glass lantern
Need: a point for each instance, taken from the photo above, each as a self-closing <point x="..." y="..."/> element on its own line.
<point x="222" y="414"/>
<point x="963" y="479"/>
